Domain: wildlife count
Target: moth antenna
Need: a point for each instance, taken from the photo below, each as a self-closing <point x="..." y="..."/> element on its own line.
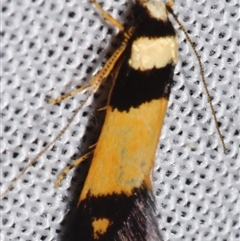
<point x="202" y="73"/>
<point x="35" y="159"/>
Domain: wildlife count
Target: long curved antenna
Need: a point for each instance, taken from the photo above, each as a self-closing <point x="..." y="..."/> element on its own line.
<point x="35" y="159"/>
<point x="202" y="73"/>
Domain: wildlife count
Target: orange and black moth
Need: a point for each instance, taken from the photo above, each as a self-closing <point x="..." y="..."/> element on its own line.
<point x="116" y="202"/>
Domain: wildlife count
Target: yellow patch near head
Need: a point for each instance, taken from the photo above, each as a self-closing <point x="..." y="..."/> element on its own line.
<point x="100" y="227"/>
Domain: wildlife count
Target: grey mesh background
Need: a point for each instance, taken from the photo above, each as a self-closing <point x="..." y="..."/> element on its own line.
<point x="50" y="47"/>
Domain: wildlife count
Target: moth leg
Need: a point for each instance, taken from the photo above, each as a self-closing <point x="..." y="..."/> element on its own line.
<point x="102" y="74"/>
<point x="68" y="95"/>
<point x="96" y="80"/>
<point x="67" y="169"/>
<point x="103" y="108"/>
<point x="107" y="16"/>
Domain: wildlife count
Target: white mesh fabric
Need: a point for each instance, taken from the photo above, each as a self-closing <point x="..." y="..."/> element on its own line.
<point x="48" y="48"/>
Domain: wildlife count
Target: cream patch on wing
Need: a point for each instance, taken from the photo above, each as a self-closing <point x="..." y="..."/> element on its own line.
<point x="147" y="53"/>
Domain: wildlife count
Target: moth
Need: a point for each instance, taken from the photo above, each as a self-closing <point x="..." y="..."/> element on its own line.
<point x="116" y="202"/>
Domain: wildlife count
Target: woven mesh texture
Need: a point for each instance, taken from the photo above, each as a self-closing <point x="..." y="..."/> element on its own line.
<point x="49" y="48"/>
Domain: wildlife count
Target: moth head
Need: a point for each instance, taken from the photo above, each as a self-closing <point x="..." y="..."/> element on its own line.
<point x="156" y="8"/>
